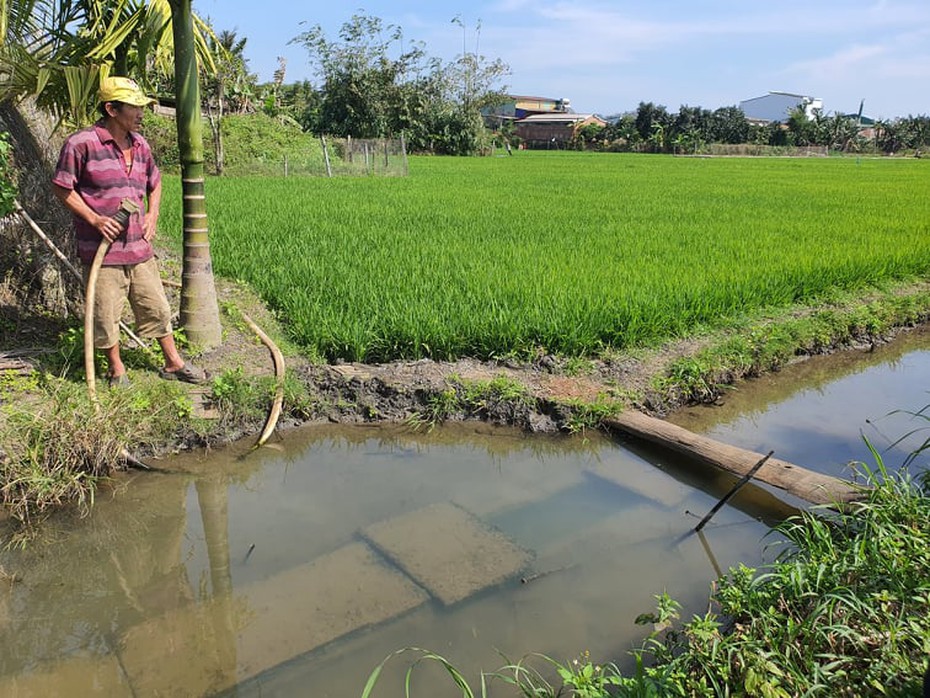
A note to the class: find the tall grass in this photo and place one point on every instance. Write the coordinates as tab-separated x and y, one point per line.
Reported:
56	446
568	252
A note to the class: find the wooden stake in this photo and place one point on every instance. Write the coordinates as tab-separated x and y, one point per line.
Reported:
736	488
329	167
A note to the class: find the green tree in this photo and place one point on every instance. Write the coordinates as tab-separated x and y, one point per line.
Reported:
199	308
360	79
365	92
801	129
621	134
729	125
652	122
838	132
300	101
226	88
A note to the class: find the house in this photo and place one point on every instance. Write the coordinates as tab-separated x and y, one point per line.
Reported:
777	107
518	107
557	129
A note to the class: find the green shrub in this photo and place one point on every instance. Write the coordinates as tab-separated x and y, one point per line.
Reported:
252	144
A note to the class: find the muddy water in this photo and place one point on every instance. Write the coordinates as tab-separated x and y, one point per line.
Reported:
295	570
818	413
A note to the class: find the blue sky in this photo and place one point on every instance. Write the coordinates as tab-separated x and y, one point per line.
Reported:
607	56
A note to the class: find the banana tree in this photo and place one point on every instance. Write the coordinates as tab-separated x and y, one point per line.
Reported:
199	309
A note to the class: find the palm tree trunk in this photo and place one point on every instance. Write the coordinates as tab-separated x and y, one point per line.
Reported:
200	316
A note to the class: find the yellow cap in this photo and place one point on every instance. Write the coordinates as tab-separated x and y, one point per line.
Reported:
123	90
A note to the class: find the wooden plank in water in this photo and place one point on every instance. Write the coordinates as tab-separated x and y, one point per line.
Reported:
448	551
800	482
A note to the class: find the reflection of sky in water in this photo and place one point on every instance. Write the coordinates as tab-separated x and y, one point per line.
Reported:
822	427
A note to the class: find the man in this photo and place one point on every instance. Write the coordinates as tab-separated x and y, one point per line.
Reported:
100	168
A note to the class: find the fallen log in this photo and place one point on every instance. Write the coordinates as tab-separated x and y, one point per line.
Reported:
810	486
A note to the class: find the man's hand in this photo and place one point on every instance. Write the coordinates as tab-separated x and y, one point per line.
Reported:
149	225
108	227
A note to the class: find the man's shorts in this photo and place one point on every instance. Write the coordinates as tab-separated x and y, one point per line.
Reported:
140	283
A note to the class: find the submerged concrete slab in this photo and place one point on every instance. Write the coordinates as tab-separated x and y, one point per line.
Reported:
75	676
209	647
448	551
314	604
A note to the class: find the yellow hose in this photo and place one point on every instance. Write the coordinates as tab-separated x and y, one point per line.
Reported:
70	267
90	296
278	402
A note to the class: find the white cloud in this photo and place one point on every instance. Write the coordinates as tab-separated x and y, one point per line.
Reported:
842	63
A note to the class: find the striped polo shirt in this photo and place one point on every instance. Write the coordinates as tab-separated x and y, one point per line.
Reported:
92	164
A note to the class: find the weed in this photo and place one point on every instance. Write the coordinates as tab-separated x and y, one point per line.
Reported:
481	396
439	407
240	398
691	378
590	415
58	447
578	366
297	400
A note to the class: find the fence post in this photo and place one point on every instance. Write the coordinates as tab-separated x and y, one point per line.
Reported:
349	148
385	154
329	169
285	164
367	161
403	151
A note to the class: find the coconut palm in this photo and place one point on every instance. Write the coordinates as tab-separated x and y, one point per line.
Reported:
199	309
57	52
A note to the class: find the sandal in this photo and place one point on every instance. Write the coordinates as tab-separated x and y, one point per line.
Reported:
120	381
188	373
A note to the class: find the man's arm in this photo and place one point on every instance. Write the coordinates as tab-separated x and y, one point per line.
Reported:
150	219
106	226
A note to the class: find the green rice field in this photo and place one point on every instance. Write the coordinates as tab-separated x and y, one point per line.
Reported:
561	252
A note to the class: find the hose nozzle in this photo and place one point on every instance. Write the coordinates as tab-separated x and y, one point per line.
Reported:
127	207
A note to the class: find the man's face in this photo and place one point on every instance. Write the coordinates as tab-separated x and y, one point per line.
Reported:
129	117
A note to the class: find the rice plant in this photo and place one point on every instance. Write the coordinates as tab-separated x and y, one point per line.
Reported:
569	253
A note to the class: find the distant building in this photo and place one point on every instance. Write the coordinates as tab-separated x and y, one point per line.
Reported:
548	130
517	107
777	107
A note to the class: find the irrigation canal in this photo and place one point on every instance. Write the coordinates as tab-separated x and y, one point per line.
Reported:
294	570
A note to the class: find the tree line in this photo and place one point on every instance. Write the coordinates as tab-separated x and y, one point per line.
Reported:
652	128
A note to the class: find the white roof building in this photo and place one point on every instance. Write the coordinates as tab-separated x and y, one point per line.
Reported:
777	106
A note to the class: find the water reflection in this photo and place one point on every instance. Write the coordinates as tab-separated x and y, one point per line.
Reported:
287	571
816	413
